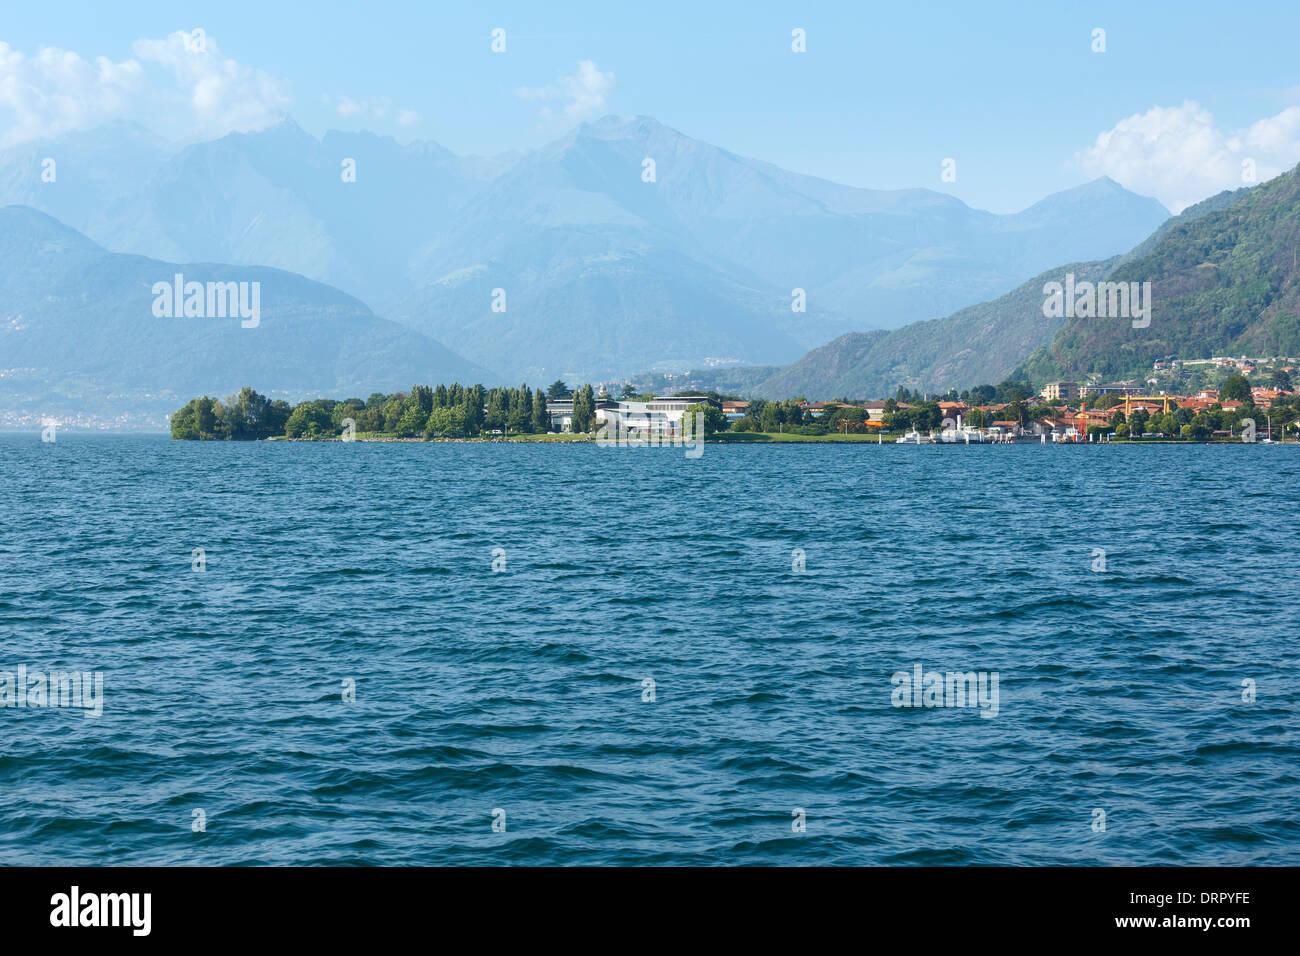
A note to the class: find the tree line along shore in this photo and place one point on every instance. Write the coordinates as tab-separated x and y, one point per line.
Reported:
474	412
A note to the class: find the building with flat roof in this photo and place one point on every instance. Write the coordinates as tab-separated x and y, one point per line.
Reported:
657	416
1111	388
560	411
1053	391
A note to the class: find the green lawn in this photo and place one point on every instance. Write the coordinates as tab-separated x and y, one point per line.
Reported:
735	437
564	436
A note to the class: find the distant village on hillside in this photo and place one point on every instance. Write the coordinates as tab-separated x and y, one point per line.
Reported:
1058	411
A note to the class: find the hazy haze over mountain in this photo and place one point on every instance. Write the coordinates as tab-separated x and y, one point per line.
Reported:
1010	335
604	273
78	334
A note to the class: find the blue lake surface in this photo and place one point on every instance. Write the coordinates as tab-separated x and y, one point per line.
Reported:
523	689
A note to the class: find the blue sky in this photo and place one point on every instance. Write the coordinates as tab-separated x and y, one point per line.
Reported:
1184	92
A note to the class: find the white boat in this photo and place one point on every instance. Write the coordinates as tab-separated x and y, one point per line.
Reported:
915	438
962	435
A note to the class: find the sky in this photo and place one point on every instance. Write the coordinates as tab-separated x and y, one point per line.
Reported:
1176	100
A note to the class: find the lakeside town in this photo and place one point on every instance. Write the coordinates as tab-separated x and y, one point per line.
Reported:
1250	400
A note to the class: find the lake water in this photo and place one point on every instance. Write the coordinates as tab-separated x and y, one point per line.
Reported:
519	696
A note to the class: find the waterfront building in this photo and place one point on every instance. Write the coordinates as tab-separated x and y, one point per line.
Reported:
1054	391
1111	388
560	411
658	416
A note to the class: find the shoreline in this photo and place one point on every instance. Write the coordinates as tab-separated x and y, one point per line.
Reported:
754	438
760	438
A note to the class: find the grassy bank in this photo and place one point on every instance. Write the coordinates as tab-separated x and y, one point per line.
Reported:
780	437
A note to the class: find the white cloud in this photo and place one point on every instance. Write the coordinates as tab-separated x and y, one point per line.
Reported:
56	91
1179	155
223	96
348	106
375	108
187	82
583	93
351	107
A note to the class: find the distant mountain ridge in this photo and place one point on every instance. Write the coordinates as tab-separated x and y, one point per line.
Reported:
574	230
79	335
603	272
1010	336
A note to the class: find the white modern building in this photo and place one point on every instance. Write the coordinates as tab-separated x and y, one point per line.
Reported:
655	416
658	416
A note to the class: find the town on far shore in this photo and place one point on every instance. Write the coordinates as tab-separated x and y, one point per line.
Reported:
1250	399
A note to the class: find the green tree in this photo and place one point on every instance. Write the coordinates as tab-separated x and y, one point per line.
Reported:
185	423
244	414
446	422
412	421
309	420
370	419
421	399
927	417
202	419
473	405
557	389
206	413
541	420
1199	428
519	413
1236	387
494	418
714	420
393	410
584	410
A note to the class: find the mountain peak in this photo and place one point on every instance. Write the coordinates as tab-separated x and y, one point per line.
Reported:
286	129
1101	189
286	123
613	126
32	224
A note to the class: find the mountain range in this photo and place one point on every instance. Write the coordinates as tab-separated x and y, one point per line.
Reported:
603	269
1223	278
80	333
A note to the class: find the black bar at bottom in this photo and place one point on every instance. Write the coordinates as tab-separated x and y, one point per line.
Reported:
333	906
